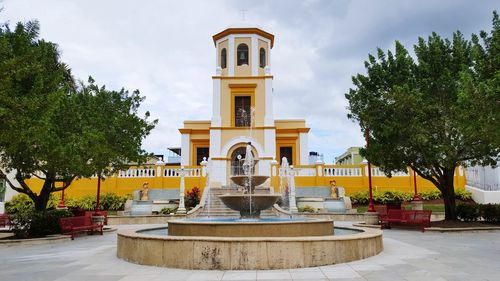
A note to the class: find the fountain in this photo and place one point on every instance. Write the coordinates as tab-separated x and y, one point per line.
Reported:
249	204
248	242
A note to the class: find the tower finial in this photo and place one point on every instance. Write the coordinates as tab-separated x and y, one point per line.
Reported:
243	14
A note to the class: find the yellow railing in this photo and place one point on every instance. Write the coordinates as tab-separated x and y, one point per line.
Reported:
353	178
126	181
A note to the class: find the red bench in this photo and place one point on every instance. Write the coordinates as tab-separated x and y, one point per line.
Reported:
78	213
381	210
416	217
78	224
4	220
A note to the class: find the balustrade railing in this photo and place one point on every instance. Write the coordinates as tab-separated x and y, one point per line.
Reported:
342	172
152	172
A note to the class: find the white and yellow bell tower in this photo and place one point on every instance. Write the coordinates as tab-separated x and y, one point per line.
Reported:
242	111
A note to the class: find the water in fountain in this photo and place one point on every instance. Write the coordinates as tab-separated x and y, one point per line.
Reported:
208	185
248	164
284	184
249	204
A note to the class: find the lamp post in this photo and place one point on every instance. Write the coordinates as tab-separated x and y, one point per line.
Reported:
98	200
370	202
61	202
415	196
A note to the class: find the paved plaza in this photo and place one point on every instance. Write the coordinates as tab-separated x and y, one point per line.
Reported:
407	255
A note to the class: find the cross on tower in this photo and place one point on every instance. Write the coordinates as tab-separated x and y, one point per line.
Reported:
243	14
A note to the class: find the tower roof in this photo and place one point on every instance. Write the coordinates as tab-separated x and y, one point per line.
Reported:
244	30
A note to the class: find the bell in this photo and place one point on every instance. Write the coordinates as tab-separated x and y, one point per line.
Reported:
242	56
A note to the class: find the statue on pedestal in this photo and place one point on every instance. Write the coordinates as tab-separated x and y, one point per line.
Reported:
144	192
334	192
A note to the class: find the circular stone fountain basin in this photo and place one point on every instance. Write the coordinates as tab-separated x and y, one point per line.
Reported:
264	227
230	253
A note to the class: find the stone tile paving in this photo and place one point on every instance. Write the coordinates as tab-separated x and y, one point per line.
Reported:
408	255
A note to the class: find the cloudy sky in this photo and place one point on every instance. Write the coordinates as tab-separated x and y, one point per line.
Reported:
165	49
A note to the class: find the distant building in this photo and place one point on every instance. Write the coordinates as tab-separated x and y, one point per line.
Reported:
350	157
174	156
484	183
315	156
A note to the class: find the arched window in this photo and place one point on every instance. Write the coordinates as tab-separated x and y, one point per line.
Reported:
262	58
242	54
223	58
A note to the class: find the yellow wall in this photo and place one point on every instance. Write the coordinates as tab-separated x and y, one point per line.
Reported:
354	184
124	186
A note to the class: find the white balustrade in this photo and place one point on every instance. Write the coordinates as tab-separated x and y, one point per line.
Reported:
137	173
377	172
341	172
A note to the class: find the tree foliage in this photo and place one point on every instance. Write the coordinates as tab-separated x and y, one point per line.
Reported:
435	112
54	128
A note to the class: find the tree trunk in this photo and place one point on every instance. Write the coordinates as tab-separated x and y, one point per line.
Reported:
42	199
448	191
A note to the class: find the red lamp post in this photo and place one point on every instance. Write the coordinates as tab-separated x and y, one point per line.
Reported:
415	196
98	200
61	202
370	202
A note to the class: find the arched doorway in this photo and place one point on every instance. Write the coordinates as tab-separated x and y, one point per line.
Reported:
237	164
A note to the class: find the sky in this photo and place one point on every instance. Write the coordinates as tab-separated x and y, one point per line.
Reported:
165	49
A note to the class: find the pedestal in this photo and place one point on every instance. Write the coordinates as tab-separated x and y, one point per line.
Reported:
417	205
371	218
98	219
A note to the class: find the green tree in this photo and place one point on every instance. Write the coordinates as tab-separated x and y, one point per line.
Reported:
55	129
434	113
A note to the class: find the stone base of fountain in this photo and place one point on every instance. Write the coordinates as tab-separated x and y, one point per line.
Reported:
274	227
245	253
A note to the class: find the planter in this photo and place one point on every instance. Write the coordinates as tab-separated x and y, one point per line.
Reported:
98	219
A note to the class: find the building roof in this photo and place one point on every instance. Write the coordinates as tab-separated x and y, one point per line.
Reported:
244	30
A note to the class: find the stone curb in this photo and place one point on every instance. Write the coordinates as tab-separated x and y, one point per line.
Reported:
36	241
441	229
45	240
462	229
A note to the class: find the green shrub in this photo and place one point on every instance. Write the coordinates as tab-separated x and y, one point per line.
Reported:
307	209
32	224
391	196
20	203
463	194
193	197
360	198
432	194
86	202
490	212
167	211
467	212
113	202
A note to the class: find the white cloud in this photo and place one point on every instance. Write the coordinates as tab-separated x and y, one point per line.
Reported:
165	49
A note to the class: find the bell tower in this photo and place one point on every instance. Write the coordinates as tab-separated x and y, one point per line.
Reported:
242	111
242	96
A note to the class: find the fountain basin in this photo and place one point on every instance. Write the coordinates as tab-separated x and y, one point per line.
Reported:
249	181
248	253
249	206
251	228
